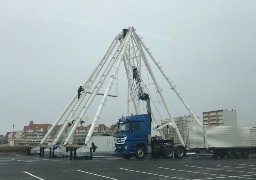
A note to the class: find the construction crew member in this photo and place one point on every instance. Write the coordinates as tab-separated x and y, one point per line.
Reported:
80	89
125	32
94	147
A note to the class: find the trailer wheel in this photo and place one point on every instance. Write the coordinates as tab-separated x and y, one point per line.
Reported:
179	152
238	154
230	154
140	152
168	152
127	156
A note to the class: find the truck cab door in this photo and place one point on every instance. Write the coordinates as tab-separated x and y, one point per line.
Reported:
138	135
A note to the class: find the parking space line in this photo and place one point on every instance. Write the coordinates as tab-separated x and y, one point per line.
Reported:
219	176
96	175
240	167
32	175
143	172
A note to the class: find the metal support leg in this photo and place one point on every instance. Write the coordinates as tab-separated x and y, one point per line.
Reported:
28	150
71	154
53	152
40	154
50	152
75	154
91	154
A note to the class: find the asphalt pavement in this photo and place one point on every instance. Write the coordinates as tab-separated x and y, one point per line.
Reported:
24	167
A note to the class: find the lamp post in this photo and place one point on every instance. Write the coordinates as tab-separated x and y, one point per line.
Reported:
12	143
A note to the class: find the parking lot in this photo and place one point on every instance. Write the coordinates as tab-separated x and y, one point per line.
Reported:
33	167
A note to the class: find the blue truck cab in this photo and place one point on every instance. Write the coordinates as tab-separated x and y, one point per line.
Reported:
132	136
133	139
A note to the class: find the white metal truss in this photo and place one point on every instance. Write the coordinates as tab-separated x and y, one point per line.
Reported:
85	86
129	48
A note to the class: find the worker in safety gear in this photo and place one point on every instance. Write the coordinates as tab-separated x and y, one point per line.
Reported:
80	89
125	32
93	147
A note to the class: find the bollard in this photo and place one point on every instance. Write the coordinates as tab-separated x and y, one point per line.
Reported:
53	152
43	152
40	154
28	151
91	154
50	152
197	152
70	158
75	154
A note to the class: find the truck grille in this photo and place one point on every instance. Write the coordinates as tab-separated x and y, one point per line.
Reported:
120	140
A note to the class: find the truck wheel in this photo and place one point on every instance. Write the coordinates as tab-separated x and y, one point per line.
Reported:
127	156
168	152
140	152
179	152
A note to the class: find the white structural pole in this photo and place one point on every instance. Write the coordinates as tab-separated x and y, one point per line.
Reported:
136	105
88	137
96	70
96	89
56	122
126	66
159	130
89	101
90	80
128	99
159	91
162	98
173	87
104	60
55	141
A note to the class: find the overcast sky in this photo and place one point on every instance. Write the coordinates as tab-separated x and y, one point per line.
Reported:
48	48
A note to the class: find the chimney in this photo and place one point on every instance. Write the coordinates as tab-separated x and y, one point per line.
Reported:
30	123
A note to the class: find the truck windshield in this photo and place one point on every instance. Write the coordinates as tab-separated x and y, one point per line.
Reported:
123	127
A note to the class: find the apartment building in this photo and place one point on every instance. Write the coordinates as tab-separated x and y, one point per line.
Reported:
183	124
223	117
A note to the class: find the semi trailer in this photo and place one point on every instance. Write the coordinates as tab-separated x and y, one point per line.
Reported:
223	141
133	139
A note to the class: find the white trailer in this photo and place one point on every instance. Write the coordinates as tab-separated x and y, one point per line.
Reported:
223	141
